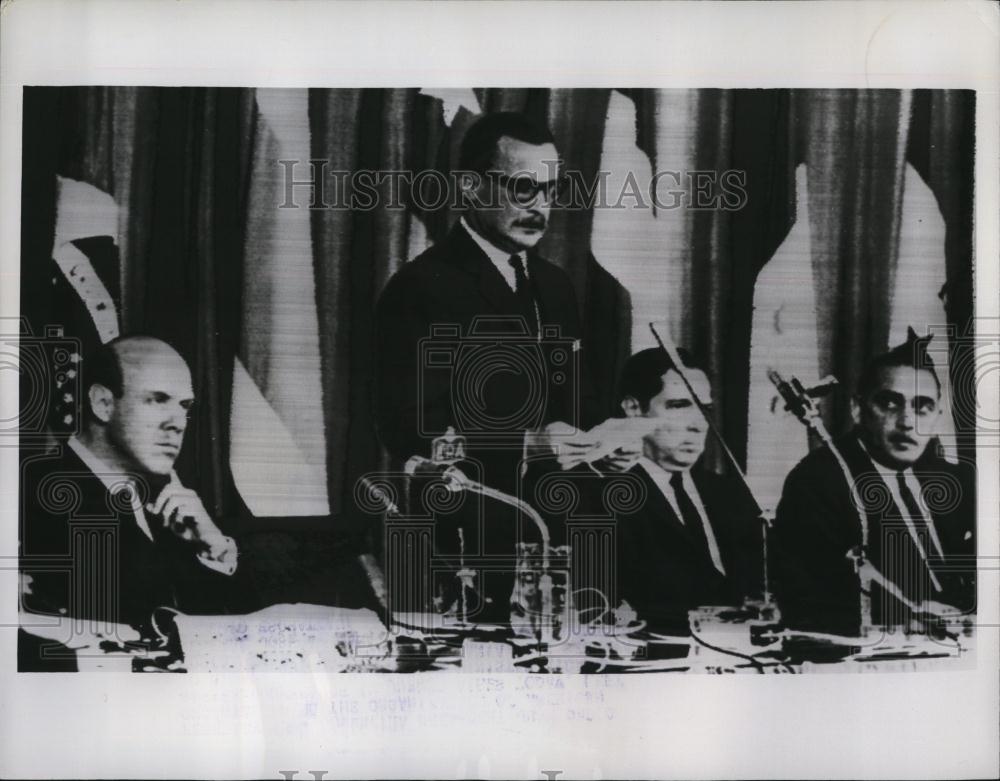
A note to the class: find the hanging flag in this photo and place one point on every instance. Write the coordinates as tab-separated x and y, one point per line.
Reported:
646	249
453	100
784	338
85	212
278	441
920	276
85	294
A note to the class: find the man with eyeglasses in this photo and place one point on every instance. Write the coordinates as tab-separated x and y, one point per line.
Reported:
920	511
486	267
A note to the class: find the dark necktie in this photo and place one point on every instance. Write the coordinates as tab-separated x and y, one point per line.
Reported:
693	520
525	296
919	550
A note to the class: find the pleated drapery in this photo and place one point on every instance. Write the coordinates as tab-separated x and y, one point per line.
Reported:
180	164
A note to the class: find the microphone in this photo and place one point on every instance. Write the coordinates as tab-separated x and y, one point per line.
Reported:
797	400
822	388
423	466
454	477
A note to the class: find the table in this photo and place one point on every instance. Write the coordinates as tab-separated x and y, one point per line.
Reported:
316	638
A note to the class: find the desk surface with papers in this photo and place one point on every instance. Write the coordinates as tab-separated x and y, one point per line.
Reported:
315	638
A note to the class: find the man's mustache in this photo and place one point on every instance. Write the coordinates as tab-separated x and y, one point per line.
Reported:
537	223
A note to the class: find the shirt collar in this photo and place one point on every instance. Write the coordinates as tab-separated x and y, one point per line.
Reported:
882	469
495	254
111	479
658	473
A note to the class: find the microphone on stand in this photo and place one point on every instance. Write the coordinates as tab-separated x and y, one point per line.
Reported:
454	478
799	401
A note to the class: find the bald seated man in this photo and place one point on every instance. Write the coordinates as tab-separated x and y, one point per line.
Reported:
107	528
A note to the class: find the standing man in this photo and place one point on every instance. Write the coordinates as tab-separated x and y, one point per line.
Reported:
107	528
919	508
486	266
500	383
695	539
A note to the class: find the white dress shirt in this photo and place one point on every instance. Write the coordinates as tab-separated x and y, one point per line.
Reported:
910	479
222	555
498	257
661	478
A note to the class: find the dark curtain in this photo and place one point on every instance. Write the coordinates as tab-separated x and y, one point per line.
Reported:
178	162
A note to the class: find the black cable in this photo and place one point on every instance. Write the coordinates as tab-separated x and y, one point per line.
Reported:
757	665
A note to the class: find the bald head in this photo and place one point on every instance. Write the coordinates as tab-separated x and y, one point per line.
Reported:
138	350
139	393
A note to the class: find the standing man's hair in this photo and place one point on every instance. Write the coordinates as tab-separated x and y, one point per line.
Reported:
479	145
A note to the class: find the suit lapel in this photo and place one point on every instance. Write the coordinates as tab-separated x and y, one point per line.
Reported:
665	523
100	504
543	290
723	512
470	258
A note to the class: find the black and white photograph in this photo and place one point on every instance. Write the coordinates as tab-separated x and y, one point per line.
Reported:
565	380
531	383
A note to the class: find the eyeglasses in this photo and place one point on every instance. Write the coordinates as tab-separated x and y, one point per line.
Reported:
522	189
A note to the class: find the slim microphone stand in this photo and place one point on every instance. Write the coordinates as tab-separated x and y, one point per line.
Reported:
766	518
799	403
457	480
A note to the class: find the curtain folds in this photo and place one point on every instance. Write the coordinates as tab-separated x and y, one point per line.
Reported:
178	161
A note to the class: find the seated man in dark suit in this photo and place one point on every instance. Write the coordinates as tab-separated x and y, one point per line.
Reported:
694	541
919	509
107	529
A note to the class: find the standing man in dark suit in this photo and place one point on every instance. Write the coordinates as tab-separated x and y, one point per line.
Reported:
694	540
487	266
480	333
920	510
107	528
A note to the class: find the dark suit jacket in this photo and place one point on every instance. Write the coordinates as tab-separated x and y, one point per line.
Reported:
627	543
817	524
85	552
419	395
663	572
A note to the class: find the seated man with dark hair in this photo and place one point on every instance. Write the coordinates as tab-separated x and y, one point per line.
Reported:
107	529
694	540
919	510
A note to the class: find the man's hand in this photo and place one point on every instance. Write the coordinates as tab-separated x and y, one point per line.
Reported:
621	460
616	443
183	512
569	445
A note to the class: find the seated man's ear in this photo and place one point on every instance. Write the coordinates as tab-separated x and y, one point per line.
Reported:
631	407
102	401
